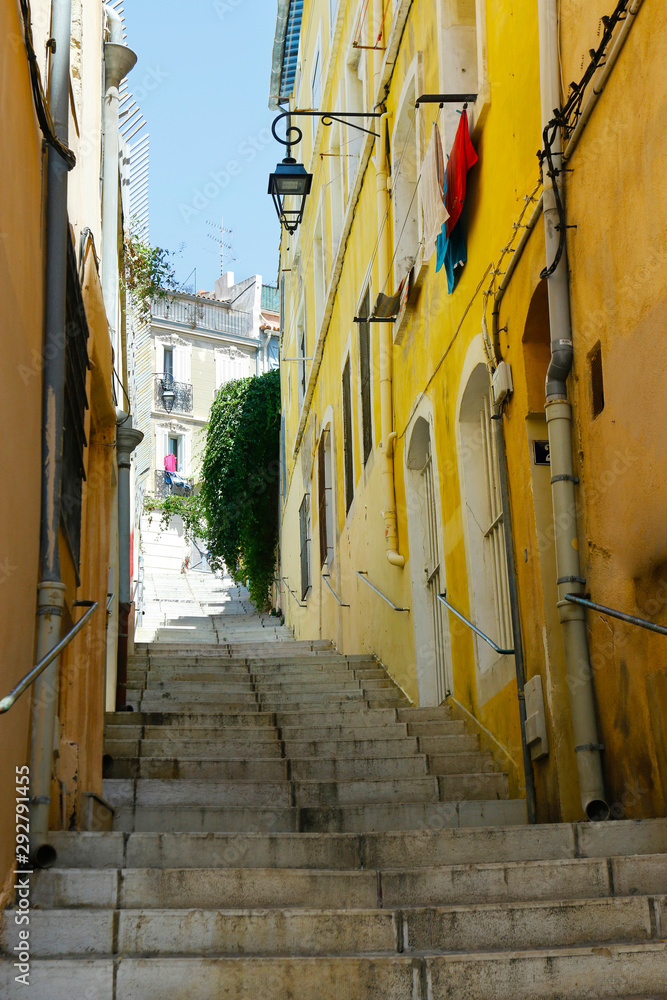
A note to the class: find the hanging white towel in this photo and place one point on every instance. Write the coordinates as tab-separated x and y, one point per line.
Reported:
432	189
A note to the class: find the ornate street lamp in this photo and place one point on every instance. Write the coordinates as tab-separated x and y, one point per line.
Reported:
290	179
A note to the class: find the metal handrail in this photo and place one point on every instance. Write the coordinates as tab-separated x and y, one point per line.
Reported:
631	619
502	652
285	581
40	667
325	577
363	574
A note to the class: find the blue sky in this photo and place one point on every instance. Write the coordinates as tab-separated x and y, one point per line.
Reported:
202	81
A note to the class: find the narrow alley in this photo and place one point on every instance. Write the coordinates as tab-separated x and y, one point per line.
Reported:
287	825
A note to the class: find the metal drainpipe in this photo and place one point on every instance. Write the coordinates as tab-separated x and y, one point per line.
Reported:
51	590
386	363
559	424
118	61
127	439
531	799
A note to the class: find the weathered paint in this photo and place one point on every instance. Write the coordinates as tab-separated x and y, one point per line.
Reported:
617	284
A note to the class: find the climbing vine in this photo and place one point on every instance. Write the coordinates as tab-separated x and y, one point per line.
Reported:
240	480
148	272
191	509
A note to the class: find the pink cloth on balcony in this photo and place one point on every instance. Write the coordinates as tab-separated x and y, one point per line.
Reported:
170	462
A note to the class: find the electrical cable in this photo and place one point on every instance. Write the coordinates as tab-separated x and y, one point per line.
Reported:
566	118
41	105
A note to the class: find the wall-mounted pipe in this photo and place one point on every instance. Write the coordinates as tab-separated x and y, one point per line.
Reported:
51	590
559	424
386	360
118	61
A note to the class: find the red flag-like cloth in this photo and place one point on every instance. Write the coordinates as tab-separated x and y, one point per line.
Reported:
461	159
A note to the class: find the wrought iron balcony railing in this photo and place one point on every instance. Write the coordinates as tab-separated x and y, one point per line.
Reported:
172	396
164	487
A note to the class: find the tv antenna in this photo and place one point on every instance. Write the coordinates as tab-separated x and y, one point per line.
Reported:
224	249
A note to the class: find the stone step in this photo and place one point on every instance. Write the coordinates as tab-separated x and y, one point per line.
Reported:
210	768
562	974
212	688
433	745
301	932
198	794
363	818
447	885
342	748
326	684
304	793
413	849
229	749
166	700
459	763
397	730
197	718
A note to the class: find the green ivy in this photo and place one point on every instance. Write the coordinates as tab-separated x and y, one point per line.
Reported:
148	272
241	480
191	509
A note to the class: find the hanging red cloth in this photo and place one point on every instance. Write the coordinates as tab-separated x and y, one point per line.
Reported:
461	159
170	462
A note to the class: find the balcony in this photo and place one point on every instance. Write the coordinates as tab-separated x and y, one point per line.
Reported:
202	314
165	488
171	396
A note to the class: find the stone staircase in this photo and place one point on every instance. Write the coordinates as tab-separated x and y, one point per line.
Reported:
287	827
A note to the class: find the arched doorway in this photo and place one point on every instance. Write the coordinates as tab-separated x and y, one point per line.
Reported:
427	563
484	528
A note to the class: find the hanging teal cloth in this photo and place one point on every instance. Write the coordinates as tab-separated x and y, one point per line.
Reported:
451	252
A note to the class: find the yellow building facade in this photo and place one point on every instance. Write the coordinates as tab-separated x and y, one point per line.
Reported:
417	458
87	538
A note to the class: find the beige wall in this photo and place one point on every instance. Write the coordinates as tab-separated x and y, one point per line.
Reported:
21	258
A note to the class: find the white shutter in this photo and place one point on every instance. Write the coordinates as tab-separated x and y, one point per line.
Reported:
161	447
159	357
185	453
181	366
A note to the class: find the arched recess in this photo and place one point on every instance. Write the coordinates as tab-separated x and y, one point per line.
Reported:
427	566
488	585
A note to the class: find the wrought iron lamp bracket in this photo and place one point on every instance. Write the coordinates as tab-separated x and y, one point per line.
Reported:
328	118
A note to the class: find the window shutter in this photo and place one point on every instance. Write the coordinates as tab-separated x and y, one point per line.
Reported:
347	437
159	357
365	365
304	540
322	500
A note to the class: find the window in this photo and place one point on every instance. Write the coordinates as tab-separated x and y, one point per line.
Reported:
301	344
486	532
365	377
347	437
304	539
76	404
597	382
337	160
404	183
168	363
458	52
324	497
320	264
316	87
174	447
354	87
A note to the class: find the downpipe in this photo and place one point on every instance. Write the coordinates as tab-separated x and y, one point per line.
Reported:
388	433
563	481
127	439
118	61
51	590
